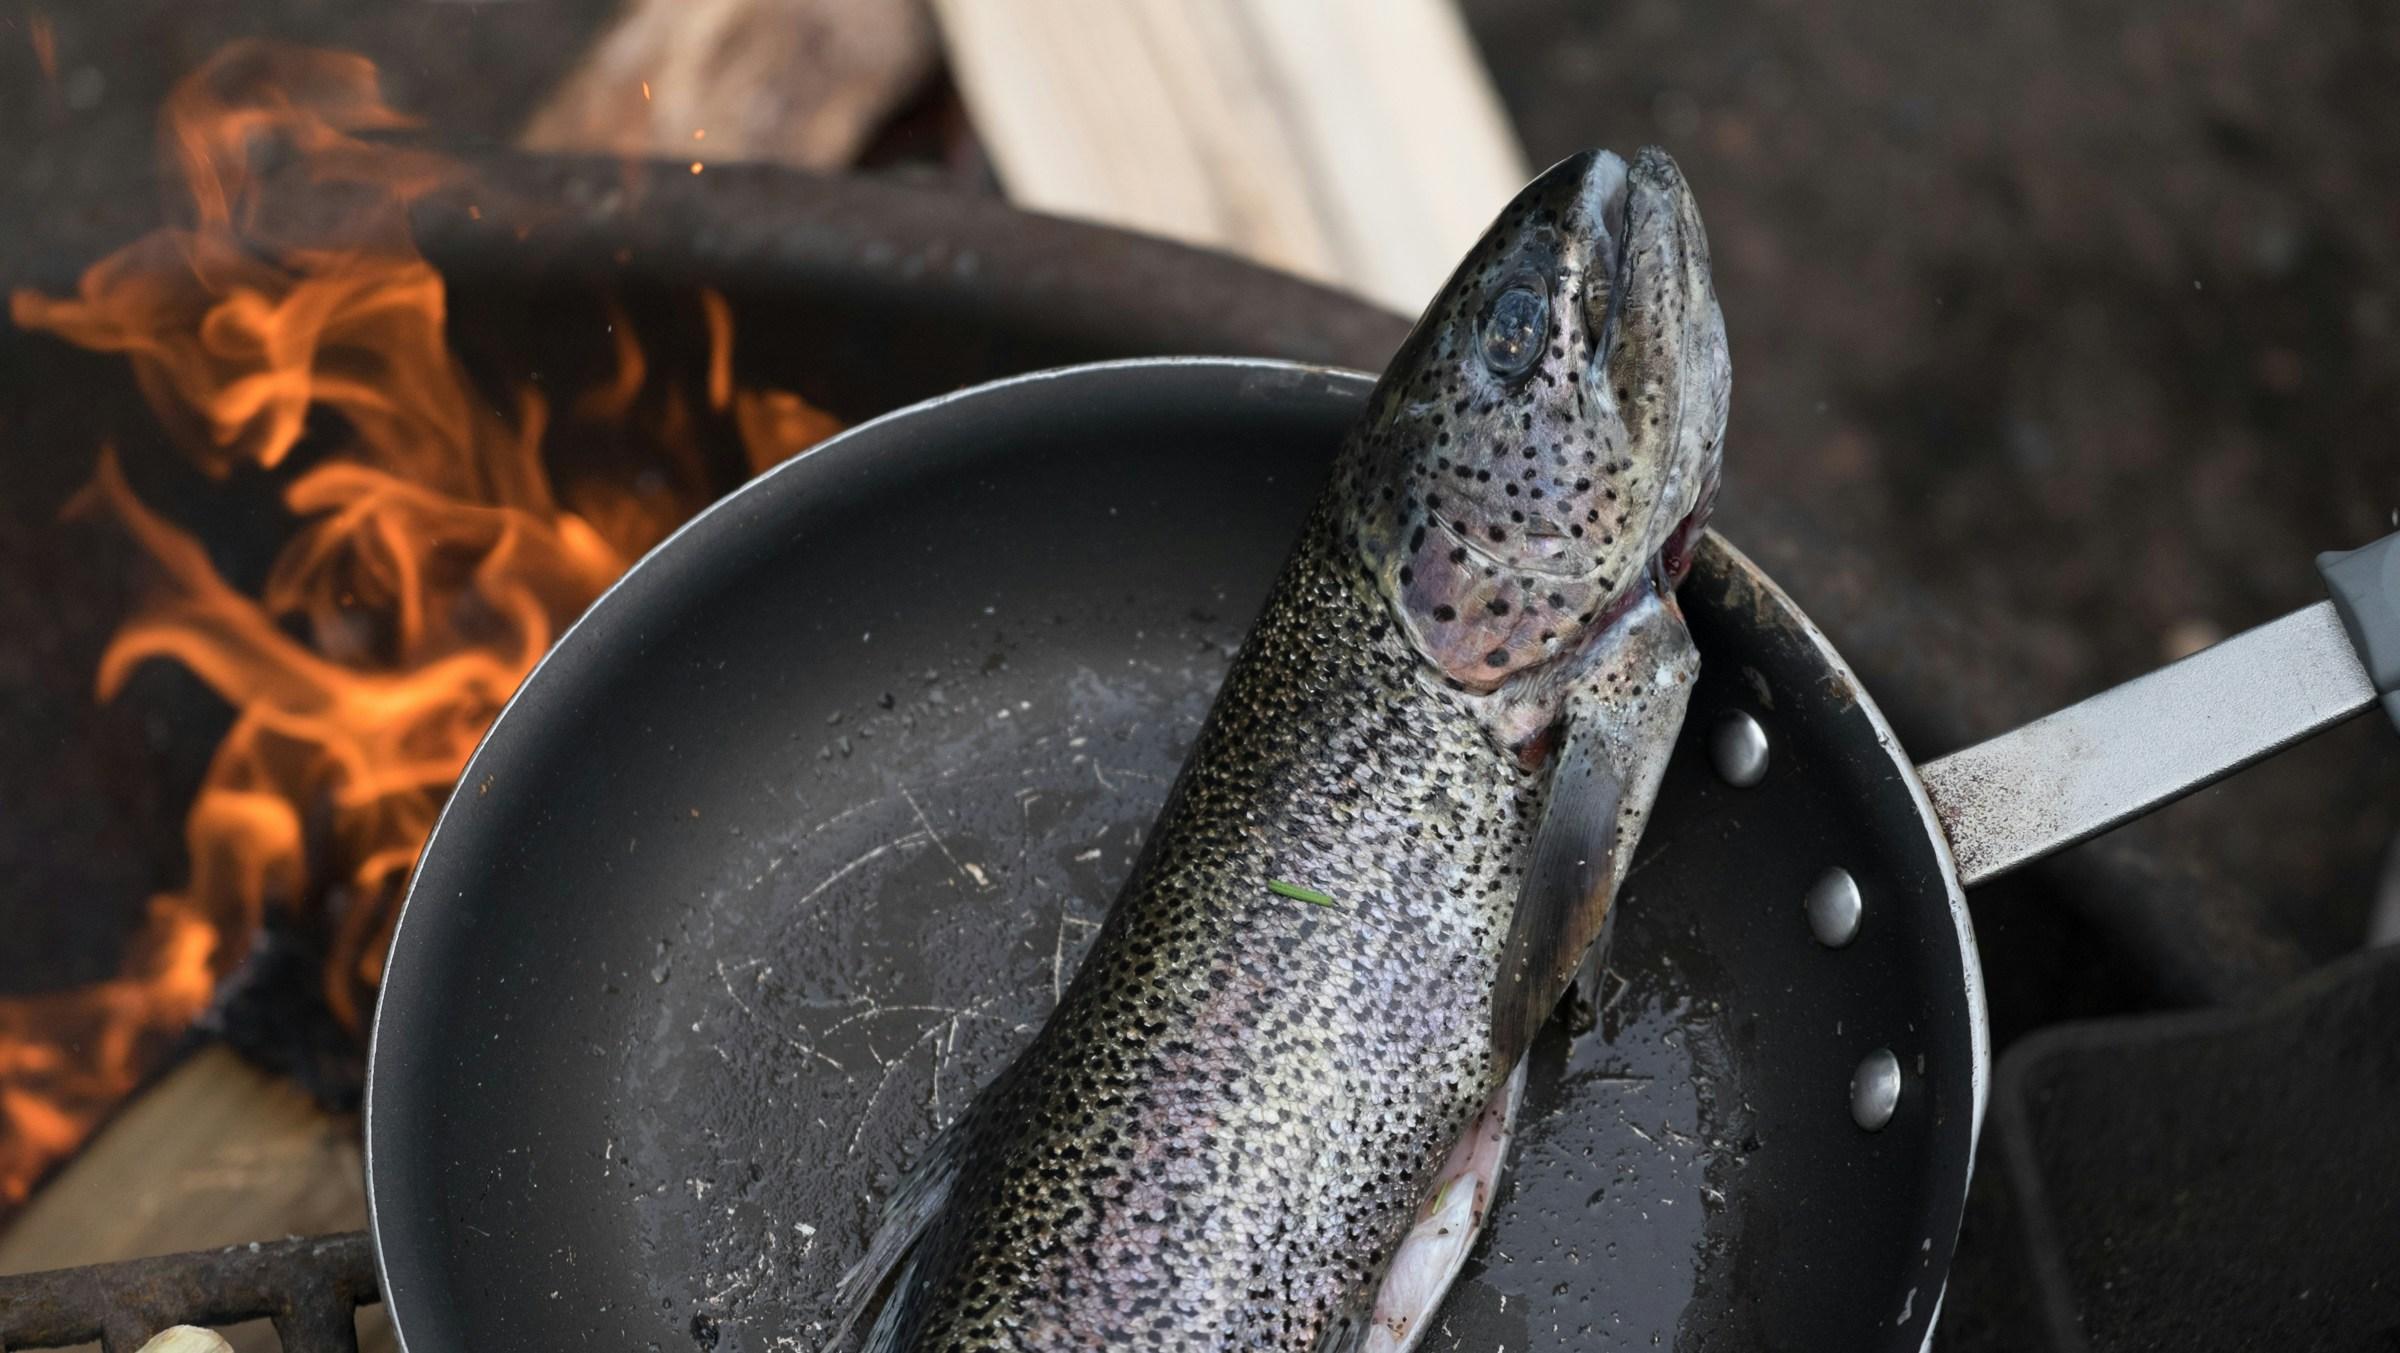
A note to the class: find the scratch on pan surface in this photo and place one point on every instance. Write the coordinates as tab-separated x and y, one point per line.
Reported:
971	876
925	1038
745	1007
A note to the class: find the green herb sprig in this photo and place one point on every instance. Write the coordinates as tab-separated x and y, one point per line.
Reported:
1300	894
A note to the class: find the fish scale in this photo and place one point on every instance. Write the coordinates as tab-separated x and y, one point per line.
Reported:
1394	839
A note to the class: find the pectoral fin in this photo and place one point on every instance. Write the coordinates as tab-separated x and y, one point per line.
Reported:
1617	731
1569	884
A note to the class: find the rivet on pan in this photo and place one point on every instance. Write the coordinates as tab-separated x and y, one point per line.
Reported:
1875	1090
1740	748
1834	908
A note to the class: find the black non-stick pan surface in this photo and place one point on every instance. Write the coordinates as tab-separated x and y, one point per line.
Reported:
792	840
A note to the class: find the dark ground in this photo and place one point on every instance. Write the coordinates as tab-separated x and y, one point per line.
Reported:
2077	326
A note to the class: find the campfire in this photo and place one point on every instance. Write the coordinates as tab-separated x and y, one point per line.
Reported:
441	535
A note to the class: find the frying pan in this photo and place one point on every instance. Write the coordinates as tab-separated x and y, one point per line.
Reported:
792	839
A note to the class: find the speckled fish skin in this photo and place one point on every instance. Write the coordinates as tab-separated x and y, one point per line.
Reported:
1220	1133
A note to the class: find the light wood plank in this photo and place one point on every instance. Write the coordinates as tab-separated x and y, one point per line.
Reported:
1357	142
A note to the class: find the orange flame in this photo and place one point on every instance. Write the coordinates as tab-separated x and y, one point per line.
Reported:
434	561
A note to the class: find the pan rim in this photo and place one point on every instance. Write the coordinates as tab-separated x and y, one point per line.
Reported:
1979	1033
380	1209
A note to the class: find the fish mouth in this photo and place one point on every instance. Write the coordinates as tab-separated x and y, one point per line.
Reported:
1608	204
1609	281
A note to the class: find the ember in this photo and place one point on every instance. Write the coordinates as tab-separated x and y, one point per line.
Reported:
436	552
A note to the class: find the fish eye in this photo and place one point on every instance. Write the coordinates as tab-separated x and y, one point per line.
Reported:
1514	327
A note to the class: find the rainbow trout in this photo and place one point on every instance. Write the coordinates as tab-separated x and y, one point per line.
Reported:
1269	1111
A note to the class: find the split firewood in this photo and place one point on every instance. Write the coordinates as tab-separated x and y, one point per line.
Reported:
1357	142
215	1152
796	82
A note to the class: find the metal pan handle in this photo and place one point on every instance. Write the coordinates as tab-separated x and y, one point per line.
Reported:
2096	764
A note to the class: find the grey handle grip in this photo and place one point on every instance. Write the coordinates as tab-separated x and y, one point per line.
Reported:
2366	593
2105	760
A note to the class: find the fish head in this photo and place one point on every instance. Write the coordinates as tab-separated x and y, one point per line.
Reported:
1544	449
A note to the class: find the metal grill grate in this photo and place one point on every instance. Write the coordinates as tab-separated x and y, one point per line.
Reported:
310	1288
